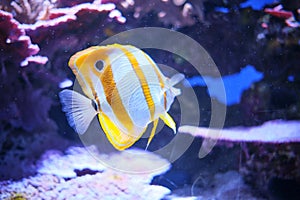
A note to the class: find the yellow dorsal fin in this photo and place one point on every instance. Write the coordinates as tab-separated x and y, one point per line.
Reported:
119	139
152	132
80	56
168	120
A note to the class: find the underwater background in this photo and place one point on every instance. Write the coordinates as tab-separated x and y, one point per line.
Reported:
256	48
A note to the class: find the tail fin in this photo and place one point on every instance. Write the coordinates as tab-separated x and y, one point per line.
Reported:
173	81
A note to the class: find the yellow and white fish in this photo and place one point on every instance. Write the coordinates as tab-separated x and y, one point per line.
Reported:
128	89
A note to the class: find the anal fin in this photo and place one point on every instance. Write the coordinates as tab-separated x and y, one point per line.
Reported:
118	138
152	132
168	120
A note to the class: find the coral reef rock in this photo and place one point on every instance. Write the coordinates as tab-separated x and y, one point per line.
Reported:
81	173
265	164
270	155
229	185
15	44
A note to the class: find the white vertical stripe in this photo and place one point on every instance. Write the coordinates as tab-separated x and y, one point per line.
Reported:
152	79
129	88
97	86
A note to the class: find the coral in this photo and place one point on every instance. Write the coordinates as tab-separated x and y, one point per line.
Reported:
20	151
64	21
64	30
17	45
30	11
17	50
17	107
269	151
278	131
280	13
229	185
90	179
266	41
278	33
65	165
21	116
29	93
262	163
176	13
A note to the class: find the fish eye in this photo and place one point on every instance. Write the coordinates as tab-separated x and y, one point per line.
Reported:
99	65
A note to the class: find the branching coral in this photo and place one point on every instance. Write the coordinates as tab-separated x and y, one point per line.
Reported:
65	31
62	21
29	11
15	44
17	50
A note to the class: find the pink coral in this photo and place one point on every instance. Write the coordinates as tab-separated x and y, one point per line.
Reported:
64	20
60	33
278	12
15	38
15	44
288	16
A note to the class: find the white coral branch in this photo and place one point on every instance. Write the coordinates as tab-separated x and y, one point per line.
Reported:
277	131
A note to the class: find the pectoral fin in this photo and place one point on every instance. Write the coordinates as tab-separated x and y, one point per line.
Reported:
168	120
118	138
78	108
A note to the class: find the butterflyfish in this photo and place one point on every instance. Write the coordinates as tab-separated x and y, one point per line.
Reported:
124	88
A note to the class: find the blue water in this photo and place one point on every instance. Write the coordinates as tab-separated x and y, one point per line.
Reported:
257	4
234	84
222	9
